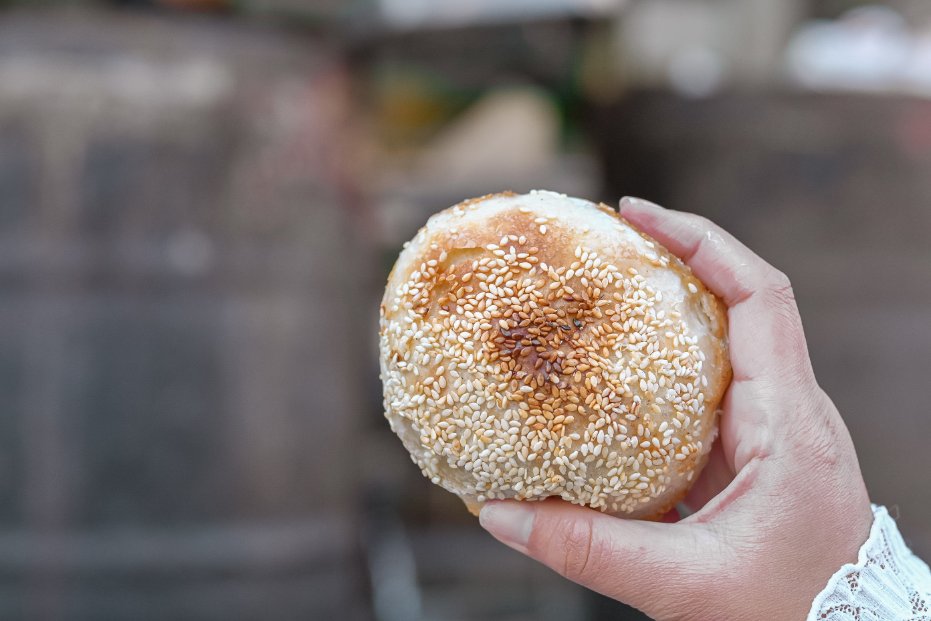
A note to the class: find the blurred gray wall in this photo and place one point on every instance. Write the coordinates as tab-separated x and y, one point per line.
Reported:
178	306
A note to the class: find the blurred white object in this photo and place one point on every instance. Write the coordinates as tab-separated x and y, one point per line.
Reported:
696	71
917	72
869	49
696	48
411	14
663	41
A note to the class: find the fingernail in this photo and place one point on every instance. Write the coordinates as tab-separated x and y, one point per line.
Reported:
511	522
639	204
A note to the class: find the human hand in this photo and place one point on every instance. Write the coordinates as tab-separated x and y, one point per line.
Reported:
780	506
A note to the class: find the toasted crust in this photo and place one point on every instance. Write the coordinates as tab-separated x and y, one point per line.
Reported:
537	345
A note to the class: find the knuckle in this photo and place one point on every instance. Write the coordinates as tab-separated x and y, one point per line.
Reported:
821	436
814	441
578	549
823	451
785	316
785	323
779	287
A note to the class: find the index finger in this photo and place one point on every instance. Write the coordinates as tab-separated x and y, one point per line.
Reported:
765	330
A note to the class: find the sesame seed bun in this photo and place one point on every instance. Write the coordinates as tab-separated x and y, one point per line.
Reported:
537	345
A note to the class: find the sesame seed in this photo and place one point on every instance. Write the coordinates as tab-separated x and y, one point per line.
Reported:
506	371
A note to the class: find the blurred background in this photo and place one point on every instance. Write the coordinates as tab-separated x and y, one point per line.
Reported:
200	201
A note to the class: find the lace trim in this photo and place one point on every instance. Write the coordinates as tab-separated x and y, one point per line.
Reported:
887	582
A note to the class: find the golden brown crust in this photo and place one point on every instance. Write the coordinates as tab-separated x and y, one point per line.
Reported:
537	345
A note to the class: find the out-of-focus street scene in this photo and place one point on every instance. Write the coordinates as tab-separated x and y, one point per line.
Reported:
200	202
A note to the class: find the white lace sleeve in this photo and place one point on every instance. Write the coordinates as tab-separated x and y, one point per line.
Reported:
888	582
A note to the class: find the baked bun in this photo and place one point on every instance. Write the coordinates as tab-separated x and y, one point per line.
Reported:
537	345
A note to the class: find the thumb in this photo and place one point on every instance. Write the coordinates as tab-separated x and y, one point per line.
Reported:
662	569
